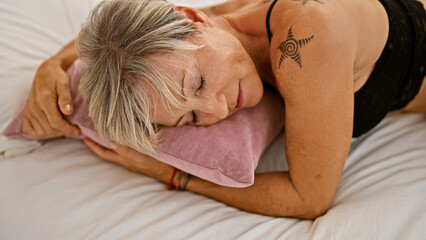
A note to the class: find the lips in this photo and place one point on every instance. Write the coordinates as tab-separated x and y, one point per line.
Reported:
240	98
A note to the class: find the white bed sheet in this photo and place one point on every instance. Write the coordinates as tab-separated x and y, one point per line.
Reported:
63	191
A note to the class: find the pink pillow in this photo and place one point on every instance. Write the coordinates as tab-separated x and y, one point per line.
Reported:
226	153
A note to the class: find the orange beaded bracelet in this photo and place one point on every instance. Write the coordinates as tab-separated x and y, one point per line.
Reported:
170	185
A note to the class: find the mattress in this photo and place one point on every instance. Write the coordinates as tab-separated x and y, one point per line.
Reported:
59	189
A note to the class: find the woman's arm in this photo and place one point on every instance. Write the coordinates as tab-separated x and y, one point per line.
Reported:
50	96
313	55
271	194
67	55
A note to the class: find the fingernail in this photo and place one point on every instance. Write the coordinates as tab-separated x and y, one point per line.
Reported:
113	146
68	107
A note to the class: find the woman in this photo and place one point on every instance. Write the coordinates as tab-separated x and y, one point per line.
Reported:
338	73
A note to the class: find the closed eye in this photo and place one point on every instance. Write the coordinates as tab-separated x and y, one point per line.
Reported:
200	90
202	85
194	118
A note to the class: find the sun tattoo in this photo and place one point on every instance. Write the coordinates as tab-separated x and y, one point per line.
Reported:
290	48
305	1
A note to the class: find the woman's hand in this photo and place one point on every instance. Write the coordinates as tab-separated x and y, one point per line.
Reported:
50	95
133	160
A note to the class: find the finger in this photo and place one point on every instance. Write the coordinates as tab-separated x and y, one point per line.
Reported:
37	127
44	123
133	159
56	120
101	151
27	128
49	131
55	134
64	95
108	155
41	130
121	150
30	112
130	153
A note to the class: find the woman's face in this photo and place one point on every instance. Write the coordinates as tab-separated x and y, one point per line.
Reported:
217	80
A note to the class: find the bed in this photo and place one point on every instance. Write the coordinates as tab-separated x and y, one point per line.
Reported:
58	189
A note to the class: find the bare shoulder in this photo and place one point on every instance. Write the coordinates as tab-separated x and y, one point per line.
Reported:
332	30
311	43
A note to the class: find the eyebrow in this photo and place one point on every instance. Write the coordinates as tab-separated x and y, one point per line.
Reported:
184	99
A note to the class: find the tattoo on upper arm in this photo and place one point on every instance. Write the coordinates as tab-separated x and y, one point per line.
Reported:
305	1
290	48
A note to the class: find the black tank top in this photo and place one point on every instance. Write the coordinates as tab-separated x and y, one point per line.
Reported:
398	74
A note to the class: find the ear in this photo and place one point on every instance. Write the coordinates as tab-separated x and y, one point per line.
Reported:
194	14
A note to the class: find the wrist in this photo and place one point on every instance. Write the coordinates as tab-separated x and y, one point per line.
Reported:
161	172
66	57
60	61
50	65
54	61
166	173
179	180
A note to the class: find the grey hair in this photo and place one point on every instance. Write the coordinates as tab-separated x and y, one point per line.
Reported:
117	43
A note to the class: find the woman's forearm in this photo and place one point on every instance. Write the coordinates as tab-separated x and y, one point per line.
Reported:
66	56
271	194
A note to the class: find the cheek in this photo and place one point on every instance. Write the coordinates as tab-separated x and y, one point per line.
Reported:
161	118
254	91
254	84
164	117
224	73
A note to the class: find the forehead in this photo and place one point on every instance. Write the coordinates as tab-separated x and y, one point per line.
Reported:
173	65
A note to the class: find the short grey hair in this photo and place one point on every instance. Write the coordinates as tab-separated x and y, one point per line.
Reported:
117	43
